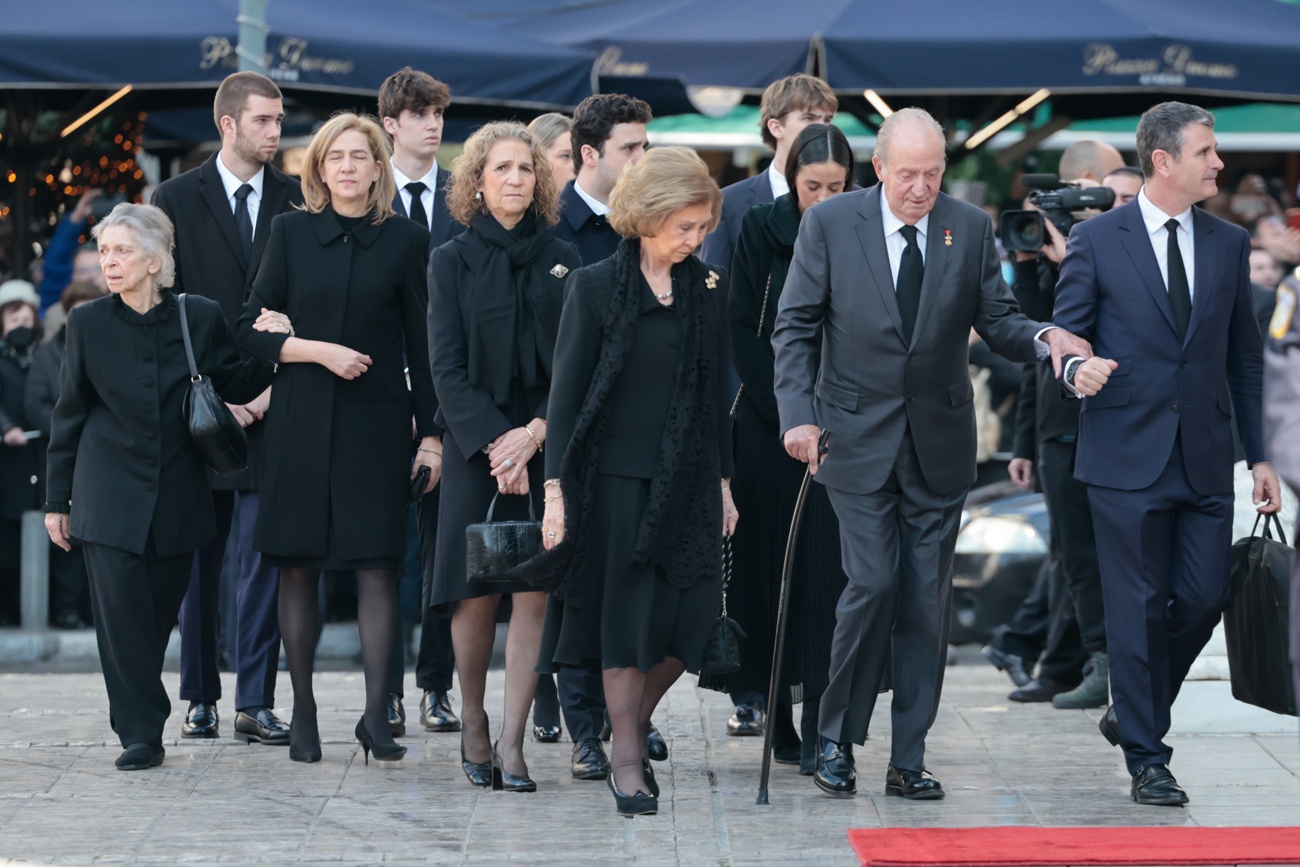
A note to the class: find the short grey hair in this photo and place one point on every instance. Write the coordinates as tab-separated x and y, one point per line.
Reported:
1161	129
905	117
153	231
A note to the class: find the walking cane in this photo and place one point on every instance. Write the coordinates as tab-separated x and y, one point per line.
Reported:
778	650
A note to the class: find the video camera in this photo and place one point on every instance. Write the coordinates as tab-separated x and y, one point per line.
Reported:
1055	200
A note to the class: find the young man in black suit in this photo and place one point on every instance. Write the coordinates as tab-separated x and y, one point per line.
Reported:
222	211
789	105
411	107
609	134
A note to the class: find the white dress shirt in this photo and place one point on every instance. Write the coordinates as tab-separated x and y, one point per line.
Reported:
780	186
232	185
895	243
430	181
1155	220
598	208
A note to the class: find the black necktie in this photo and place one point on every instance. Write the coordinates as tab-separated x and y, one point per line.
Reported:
911	268
1180	294
416	189
244	220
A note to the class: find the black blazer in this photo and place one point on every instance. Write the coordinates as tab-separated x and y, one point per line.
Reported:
458	340
209	261
737	198
120	457
594	237
442	227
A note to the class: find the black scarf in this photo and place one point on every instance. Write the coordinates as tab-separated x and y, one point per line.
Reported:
505	296
680	527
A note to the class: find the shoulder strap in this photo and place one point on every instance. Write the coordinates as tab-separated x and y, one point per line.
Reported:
185	335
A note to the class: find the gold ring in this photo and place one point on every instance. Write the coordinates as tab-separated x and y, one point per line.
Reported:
501	488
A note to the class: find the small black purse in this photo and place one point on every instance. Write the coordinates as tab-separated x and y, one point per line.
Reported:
214	428
722	650
494	548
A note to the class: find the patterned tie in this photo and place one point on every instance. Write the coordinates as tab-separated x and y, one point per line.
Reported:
244	221
416	189
911	268
1180	294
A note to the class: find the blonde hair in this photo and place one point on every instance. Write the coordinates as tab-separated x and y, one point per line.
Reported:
666	180
548	127
463	200
152	230
316	195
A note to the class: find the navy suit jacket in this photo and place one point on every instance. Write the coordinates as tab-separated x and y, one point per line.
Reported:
594	237
1111	293
737	198
442	228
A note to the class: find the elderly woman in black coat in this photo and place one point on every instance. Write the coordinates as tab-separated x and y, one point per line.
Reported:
638	488
338	443
20	332
495	293
125	477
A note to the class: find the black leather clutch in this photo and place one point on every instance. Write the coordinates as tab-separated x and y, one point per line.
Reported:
416	493
213	427
494	548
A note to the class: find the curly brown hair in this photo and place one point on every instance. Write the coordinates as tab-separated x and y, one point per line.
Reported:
467	173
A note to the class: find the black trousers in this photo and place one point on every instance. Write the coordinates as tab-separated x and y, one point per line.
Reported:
1076	541
135	599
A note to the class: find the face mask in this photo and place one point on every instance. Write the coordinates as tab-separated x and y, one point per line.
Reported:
20	337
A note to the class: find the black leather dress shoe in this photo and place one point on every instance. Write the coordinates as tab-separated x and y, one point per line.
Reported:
589	760
835	773
396	715
747	720
200	721
912	785
1109	726
140	757
1041	689
1154	785
260	724
656	746
436	714
547	734
1015	666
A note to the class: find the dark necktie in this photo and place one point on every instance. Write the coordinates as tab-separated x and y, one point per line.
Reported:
416	189
244	220
911	268
1180	293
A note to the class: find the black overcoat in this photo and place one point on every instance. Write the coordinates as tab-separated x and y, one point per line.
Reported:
338	452
120	453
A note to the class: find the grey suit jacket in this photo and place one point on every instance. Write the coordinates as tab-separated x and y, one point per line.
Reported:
842	362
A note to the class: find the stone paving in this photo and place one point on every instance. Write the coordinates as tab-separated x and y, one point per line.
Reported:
62	802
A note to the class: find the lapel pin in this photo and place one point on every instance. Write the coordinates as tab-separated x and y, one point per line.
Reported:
559	271
947	237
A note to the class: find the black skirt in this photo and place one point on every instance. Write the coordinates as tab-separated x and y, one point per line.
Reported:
627	620
765	487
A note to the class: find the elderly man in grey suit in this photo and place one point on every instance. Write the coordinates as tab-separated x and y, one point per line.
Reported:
871	345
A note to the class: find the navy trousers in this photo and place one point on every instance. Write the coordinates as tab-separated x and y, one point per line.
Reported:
1164	554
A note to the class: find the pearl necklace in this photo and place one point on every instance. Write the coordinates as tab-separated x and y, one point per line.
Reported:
664	297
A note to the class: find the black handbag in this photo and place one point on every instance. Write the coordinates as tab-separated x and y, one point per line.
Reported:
722	650
494	548
1257	623
214	428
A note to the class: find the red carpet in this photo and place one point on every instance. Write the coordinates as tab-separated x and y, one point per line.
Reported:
1026	846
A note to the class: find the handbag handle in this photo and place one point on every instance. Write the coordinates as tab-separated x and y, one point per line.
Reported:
532	515
1266	517
726	572
185	335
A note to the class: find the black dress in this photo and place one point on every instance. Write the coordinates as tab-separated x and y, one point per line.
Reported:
338	452
630	619
767	482
465	327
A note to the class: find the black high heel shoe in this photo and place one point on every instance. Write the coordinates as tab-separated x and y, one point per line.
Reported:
368	746
478	773
639	804
301	747
649	774
503	782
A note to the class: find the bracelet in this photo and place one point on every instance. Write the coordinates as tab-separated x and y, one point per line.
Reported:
555	482
423	449
534	438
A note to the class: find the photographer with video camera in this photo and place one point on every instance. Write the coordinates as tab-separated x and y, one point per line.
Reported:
1063	616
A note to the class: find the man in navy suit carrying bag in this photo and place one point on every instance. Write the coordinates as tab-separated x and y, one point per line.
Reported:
1162	291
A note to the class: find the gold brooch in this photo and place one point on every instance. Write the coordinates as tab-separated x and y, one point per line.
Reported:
559	271
712	280
947	237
